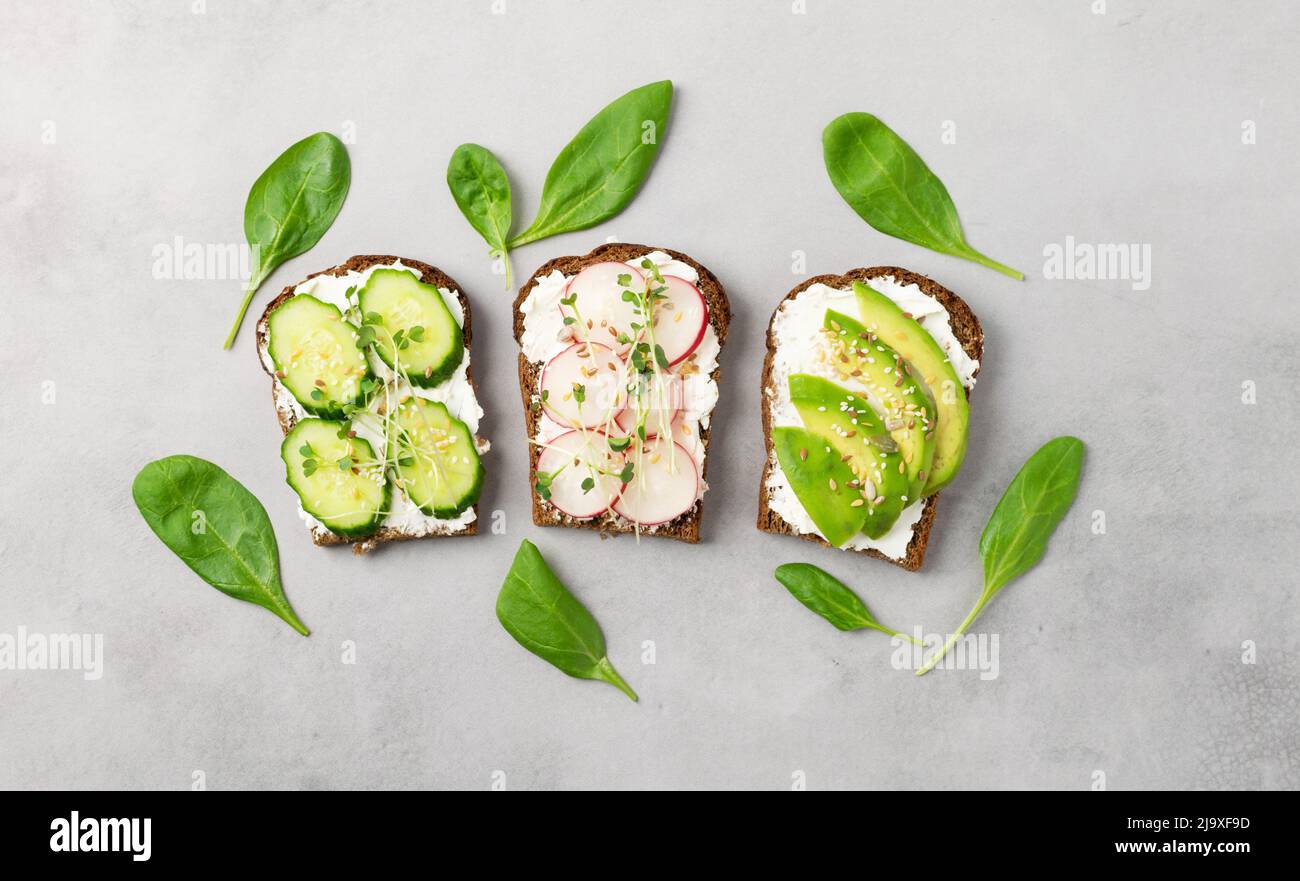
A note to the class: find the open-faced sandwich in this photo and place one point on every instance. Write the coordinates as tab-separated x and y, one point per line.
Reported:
865	410
370	367
618	369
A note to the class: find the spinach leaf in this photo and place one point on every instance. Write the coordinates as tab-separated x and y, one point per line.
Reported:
481	189
603	167
1025	518
891	188
217	527
291	205
537	610
829	597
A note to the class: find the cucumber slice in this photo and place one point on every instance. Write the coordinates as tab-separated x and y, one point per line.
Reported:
316	356
397	303
351	500
437	464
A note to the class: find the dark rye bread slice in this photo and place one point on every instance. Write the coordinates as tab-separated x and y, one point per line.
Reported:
965	326
685	527
429	275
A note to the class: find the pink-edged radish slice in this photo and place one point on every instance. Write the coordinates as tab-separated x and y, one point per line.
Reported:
685	432
580	456
599	303
598	371
680	319
665	484
655	422
660	396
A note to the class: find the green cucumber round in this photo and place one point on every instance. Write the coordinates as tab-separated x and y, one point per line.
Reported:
436	463
338	479
316	356
397	303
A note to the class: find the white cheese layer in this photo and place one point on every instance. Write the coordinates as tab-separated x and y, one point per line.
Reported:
543	339
456	393
796	329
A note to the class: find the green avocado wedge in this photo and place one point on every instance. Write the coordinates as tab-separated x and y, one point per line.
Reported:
907	412
846	420
820	480
930	363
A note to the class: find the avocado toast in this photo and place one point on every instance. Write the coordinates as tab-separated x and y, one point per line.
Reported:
370	368
865	390
618	407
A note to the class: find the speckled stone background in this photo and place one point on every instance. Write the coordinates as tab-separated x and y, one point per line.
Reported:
126	125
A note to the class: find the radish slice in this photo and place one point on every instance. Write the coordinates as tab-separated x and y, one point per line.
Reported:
685	433
598	370
680	320
655	423
600	303
580	456
660	395
665	484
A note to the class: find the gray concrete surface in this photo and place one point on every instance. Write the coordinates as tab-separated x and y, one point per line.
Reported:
125	125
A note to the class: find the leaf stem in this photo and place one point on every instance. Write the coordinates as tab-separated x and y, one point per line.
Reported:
979	258
900	635
292	620
610	675
526	237
253	284
952	640
504	253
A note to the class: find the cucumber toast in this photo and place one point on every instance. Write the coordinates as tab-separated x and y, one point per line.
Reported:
370	368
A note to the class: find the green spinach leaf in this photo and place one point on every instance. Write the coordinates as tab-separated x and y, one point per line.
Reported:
217	527
481	189
291	205
1025	518
831	598
603	167
537	610
891	188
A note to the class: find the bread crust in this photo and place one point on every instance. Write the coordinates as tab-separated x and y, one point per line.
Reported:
965	327
429	275
685	527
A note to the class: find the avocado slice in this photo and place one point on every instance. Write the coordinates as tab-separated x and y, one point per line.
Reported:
854	430
930	363
908	414
820	480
